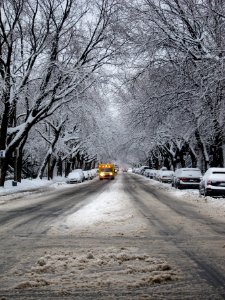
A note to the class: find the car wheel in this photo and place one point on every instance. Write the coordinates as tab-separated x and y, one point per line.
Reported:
178	187
205	193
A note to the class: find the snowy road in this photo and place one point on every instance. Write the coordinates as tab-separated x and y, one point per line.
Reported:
121	239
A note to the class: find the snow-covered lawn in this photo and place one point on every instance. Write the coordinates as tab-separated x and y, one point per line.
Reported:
29	184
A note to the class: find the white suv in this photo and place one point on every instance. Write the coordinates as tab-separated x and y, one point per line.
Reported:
213	182
76	175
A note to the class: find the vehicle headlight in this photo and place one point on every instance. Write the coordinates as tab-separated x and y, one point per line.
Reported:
102	174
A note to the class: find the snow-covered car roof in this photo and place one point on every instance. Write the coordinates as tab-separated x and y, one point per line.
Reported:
189	169
75	173
167	172
212	170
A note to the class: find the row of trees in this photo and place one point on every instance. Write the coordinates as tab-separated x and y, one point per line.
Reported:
52	54
57	108
175	97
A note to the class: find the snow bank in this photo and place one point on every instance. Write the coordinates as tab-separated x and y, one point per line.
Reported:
213	206
28	184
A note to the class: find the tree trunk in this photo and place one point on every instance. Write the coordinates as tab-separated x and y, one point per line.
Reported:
223	147
44	164
193	158
4	162
67	168
19	160
59	167
202	153
217	154
51	169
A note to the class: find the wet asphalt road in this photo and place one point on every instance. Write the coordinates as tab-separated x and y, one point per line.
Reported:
178	232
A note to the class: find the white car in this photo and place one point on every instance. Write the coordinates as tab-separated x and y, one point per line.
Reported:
142	169
166	176
213	182
147	172
76	175
159	173
87	175
187	178
94	172
152	173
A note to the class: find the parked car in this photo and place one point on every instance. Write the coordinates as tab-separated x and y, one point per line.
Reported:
187	178
159	173
213	182
166	176
136	170
152	173
155	174
116	169
94	173
76	175
147	172
142	169
87	174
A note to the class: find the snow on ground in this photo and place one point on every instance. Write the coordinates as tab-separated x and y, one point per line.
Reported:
213	206
113	206
94	268
109	213
28	186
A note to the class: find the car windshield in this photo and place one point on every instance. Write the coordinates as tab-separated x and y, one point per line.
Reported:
167	173
106	170
191	173
74	174
219	173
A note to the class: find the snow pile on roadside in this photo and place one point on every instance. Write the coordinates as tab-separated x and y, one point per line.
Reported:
96	268
217	203
110	213
29	184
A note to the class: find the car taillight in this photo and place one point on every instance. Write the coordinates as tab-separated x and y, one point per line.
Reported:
184	179
209	182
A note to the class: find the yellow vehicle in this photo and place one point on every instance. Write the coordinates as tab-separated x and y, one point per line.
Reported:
106	171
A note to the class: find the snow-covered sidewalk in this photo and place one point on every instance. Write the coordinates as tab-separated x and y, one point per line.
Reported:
29	184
